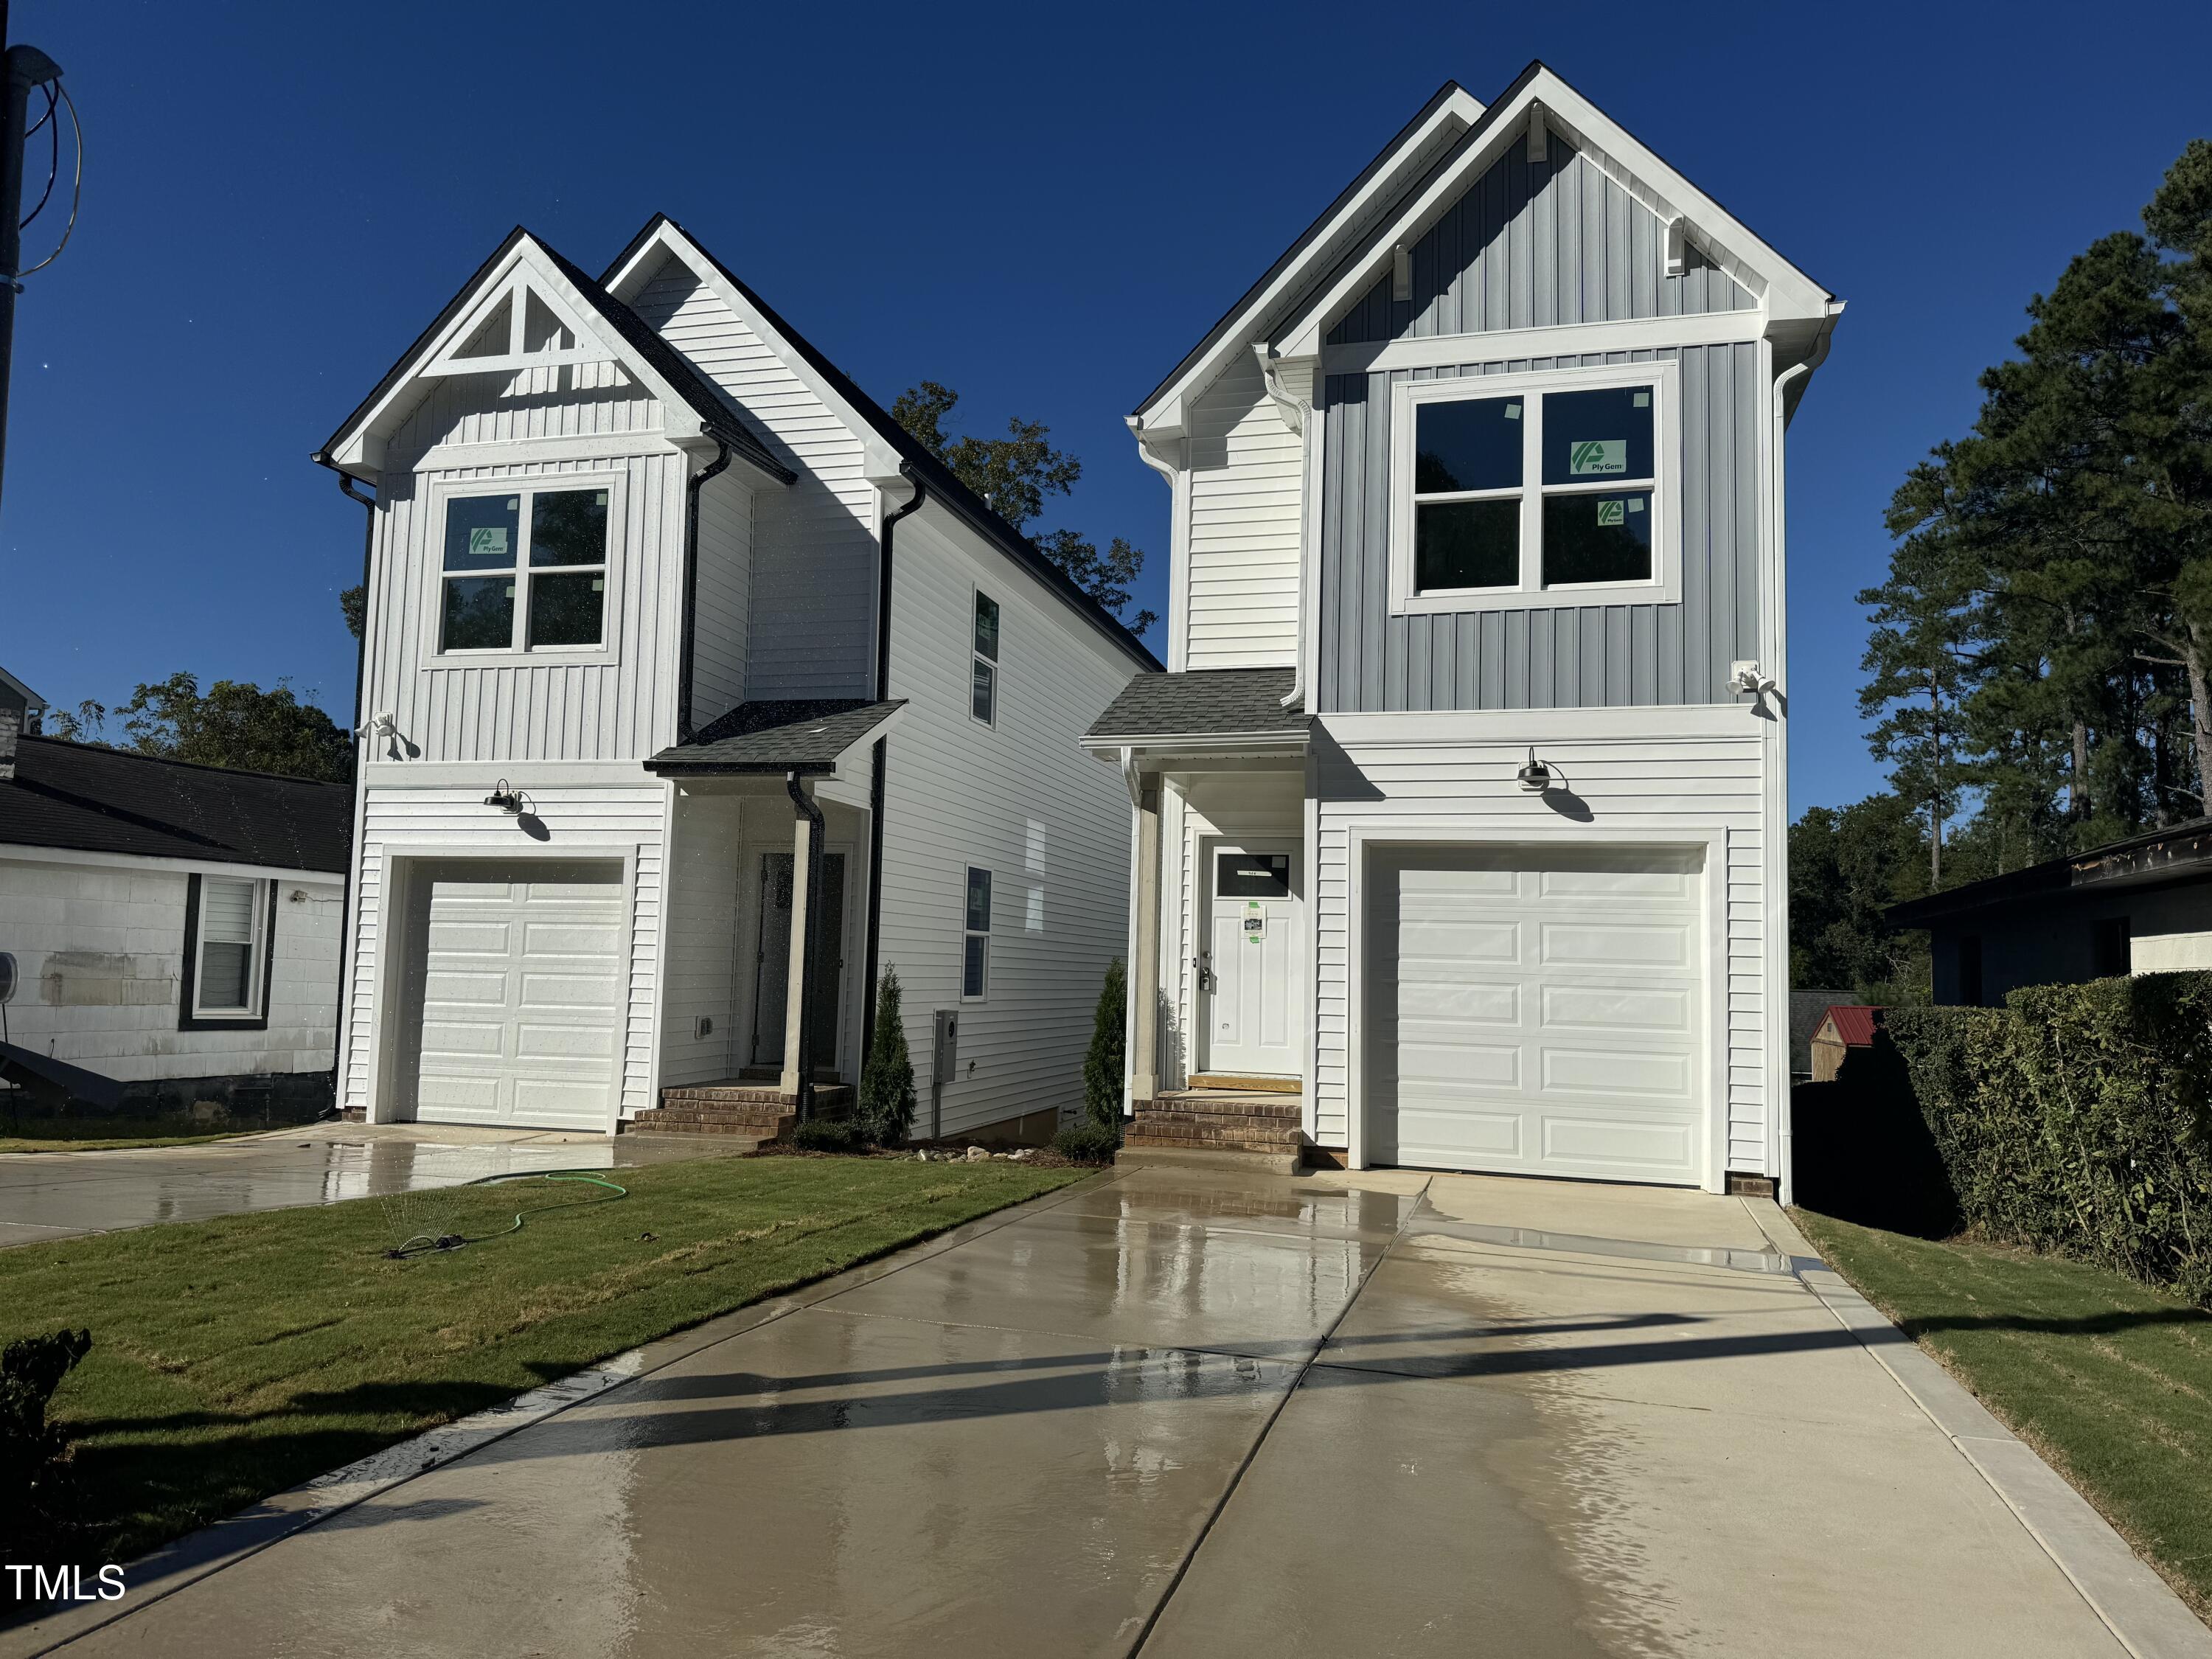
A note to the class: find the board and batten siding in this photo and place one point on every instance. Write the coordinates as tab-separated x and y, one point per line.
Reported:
1246	471
1021	799
1645	788
704	879
578	821
722	637
543	708
812	628
1561	657
576	400
100	949
1538	245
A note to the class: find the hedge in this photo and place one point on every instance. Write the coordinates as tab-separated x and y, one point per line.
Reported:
2077	1119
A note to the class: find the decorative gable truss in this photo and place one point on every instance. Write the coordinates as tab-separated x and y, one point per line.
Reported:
531	348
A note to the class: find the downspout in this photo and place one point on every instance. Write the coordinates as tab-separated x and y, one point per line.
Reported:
1778	881
353	854
804	804
685	729
881	762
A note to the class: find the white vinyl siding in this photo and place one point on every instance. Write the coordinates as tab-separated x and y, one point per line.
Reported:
1640	789
580	821
721	643
1245	472
814	543
1021	799
575	400
708	877
101	947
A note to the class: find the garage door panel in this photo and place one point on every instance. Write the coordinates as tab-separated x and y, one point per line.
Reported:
523	983
1540	1011
1622	1071
1616	1008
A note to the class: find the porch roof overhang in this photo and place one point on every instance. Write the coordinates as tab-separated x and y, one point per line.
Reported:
809	736
1202	714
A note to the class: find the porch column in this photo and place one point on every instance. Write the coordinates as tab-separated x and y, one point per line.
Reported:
796	982
1145	971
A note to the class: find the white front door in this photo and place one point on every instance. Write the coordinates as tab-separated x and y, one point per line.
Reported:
1248	968
1538	1011
520	982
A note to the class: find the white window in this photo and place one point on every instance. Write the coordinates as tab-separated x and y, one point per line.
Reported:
983	703
975	940
524	569
226	948
1535	489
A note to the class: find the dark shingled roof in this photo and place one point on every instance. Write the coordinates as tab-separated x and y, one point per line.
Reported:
804	735
2178	852
1210	703
91	799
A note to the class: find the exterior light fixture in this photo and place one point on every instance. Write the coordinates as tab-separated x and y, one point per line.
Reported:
506	799
1535	777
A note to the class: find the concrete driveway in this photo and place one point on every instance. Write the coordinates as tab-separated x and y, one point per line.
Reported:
47	1195
1195	1416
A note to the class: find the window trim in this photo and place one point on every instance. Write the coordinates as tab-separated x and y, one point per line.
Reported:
995	664
990	891
262	959
442	494
1664	586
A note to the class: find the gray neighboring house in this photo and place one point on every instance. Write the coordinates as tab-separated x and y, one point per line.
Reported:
2138	906
173	929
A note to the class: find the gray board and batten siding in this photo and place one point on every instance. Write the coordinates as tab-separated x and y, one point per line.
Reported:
1537	244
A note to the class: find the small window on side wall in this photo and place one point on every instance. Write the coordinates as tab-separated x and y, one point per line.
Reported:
228	955
975	938
983	694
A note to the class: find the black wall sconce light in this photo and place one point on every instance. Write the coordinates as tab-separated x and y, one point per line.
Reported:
506	799
1535	777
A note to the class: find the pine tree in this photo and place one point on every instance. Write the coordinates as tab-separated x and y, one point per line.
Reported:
1104	1067
886	1106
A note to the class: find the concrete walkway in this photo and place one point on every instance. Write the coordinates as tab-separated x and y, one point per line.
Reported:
45	1195
1190	1416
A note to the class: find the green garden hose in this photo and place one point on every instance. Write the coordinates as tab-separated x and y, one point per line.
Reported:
453	1241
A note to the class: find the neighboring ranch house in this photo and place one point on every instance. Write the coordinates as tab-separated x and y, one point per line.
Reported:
173	929
1459	816
686	667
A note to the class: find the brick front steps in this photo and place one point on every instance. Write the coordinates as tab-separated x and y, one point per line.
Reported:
1198	1128
760	1111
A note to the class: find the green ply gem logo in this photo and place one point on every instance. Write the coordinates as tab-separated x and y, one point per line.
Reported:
1597	458
1613	512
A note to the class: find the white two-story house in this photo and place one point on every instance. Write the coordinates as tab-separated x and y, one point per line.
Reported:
1459	817
691	678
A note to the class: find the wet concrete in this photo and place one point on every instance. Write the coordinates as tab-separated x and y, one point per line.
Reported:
1186	1416
47	1195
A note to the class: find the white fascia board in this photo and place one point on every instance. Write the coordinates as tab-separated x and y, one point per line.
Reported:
30	697
1784	291
878	459
1738	722
1163	413
147	864
361	450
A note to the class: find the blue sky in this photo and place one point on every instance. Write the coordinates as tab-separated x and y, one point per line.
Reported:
1042	207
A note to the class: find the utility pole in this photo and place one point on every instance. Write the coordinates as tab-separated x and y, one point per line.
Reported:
26	67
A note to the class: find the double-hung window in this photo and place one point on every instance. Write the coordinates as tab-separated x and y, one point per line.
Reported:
975	938
524	570
226	951
983	694
1534	490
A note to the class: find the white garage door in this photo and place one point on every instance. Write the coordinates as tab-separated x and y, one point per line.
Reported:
1538	1012
521	994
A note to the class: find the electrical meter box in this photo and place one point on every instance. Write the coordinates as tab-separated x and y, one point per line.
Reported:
948	1045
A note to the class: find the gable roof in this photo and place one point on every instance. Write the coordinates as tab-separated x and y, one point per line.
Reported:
30	698
87	798
1854	1023
1322	277
897	449
676	378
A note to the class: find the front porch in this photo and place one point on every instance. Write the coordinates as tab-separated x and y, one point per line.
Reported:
1260	1129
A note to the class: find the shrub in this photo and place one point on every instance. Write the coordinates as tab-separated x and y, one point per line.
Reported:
1088	1143
2078	1120
34	1471
825	1134
886	1110
1106	1064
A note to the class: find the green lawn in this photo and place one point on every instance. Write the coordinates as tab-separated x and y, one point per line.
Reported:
100	1134
2111	1381
236	1357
